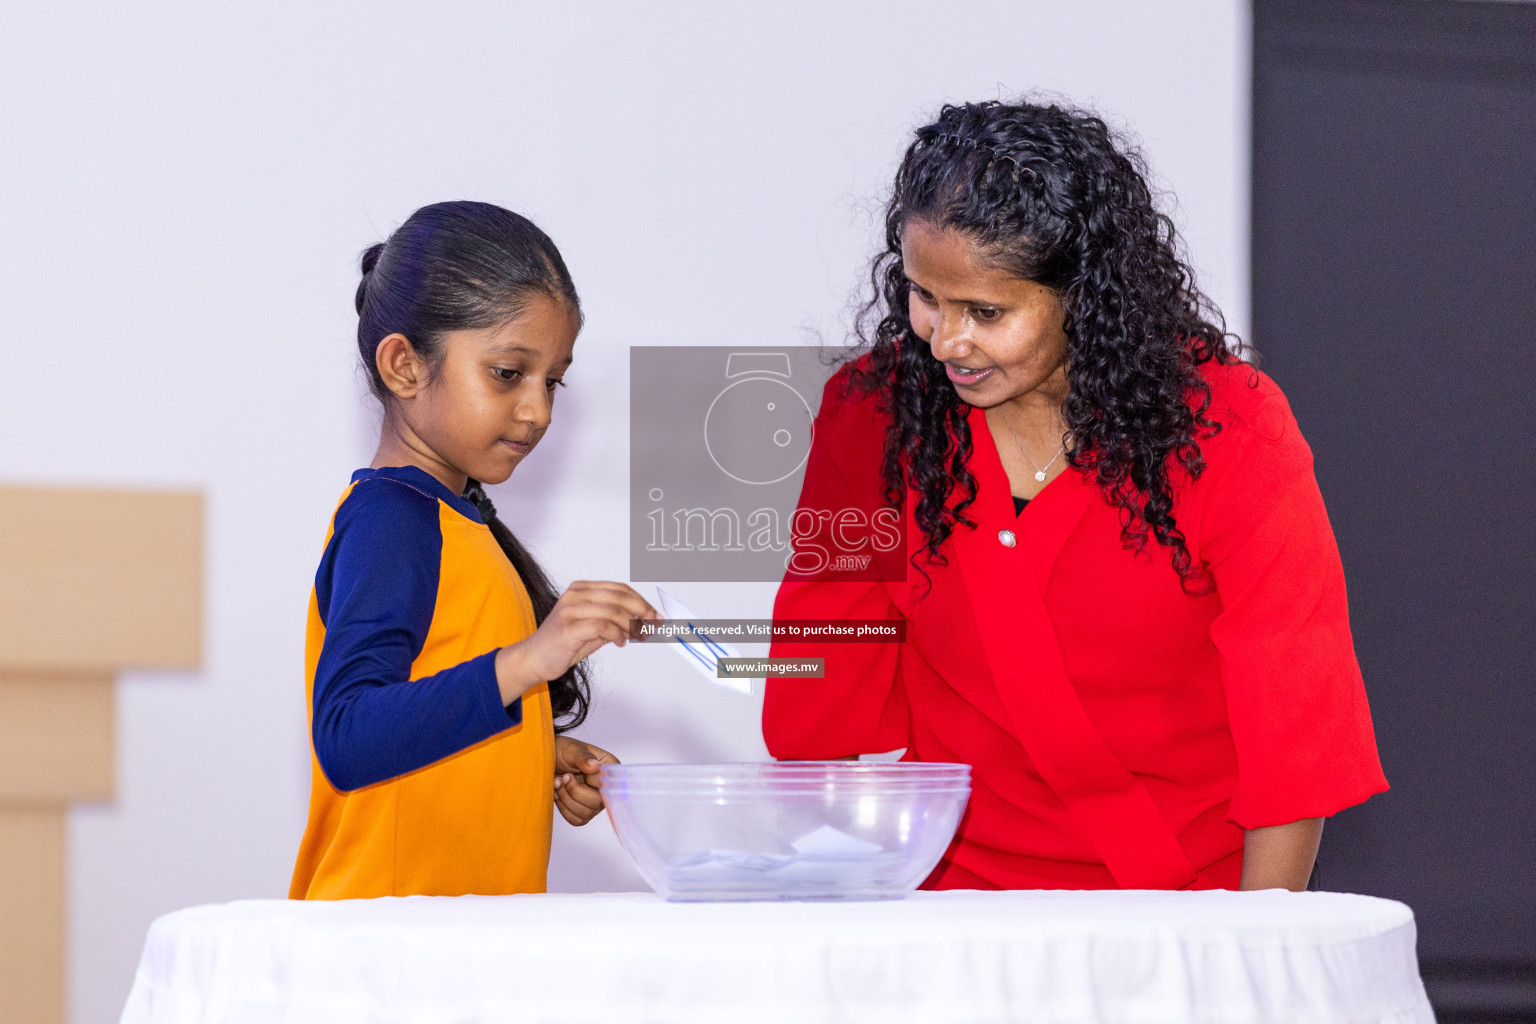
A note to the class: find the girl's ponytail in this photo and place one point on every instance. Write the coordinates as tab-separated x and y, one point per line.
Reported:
571	694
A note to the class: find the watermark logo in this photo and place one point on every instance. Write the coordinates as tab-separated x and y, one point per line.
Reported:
720	440
758	429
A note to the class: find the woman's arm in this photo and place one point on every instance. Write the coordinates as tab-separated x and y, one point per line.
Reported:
1281	856
859	705
1296	704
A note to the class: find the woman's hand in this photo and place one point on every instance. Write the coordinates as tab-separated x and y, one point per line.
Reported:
578	786
588	615
1281	856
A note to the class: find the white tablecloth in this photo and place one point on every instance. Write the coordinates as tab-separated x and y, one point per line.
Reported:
944	958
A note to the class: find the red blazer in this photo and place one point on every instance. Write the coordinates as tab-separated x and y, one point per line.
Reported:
1122	732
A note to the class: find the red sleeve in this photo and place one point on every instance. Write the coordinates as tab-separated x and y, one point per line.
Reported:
859	707
1295	698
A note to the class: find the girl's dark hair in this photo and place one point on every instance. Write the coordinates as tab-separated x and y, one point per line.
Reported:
1053	196
462	266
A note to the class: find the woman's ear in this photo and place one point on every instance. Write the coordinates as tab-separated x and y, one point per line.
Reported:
401	369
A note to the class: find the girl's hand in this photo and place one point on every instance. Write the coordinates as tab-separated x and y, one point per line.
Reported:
588	615
578	786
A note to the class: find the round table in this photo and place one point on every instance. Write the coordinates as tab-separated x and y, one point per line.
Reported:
952	957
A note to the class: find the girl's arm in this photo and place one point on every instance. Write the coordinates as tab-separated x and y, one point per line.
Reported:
589	614
1281	856
375	595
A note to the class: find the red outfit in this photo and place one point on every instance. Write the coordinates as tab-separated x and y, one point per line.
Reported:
1122	732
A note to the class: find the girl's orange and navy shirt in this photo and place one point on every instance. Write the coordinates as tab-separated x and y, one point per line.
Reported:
423	783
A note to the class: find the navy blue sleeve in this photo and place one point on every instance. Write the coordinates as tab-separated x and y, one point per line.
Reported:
376	589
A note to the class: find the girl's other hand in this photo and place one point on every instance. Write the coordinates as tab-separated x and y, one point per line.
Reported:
578	786
588	615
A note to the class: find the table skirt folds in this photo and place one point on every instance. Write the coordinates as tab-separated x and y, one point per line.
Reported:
952	957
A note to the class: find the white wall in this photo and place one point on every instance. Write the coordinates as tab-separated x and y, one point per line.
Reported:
184	189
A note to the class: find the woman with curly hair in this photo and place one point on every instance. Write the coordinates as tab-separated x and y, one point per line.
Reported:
1124	604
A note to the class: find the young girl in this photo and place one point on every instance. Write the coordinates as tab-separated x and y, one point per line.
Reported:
432	631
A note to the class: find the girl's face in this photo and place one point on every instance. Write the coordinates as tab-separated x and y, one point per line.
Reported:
487	402
999	337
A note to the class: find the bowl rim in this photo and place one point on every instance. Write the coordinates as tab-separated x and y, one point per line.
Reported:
746	777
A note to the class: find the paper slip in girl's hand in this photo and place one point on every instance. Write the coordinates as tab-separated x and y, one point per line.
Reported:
698	650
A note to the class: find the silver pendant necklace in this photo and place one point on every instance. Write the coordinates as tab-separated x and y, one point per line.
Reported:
1039	471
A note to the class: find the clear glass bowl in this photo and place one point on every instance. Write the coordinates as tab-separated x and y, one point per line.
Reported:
787	830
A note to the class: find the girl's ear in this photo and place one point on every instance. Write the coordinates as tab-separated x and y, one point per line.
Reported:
401	369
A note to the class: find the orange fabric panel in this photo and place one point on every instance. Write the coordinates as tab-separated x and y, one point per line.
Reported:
476	822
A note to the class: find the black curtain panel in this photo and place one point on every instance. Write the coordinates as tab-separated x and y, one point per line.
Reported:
1394	290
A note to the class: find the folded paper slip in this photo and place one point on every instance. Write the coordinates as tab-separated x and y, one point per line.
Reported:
700	651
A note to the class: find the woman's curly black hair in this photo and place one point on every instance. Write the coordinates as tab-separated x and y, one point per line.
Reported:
1050	195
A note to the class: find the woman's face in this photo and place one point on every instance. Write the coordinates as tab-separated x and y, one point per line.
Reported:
999	337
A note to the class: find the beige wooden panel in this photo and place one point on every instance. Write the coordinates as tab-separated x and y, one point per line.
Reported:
32	915
99	579
56	742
